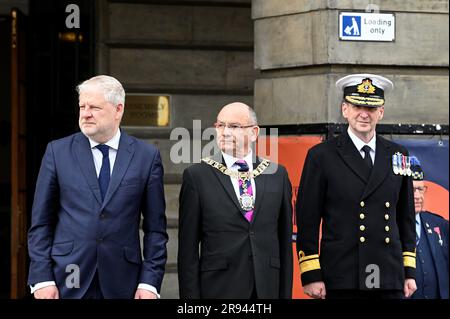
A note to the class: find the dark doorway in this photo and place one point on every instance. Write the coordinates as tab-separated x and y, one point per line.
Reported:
60	59
55	59
5	156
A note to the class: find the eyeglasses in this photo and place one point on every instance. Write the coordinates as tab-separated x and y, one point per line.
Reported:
222	126
421	189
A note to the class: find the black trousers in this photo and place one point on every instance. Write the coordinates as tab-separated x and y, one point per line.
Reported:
94	291
254	295
364	294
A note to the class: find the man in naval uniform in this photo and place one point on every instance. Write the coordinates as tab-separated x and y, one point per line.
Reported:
359	186
432	243
235	230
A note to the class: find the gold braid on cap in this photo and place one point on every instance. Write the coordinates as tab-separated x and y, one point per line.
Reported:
364	100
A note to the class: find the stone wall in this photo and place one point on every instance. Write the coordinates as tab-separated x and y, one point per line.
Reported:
298	51
199	53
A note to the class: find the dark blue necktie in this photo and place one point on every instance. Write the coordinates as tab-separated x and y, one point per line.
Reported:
367	159
105	171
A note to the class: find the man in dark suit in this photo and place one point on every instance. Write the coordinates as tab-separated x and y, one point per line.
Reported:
235	218
432	244
359	186
91	190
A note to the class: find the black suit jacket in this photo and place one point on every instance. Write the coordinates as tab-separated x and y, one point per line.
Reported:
221	254
368	235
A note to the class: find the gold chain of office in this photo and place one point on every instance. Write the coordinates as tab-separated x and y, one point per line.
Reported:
236	174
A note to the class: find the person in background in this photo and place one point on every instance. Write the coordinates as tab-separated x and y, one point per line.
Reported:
432	243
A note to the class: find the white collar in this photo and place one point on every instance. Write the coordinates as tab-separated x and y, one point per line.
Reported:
360	143
113	143
230	160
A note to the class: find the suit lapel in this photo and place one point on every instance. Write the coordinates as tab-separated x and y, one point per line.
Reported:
381	167
352	158
123	158
82	152
433	240
431	237
260	184
225	181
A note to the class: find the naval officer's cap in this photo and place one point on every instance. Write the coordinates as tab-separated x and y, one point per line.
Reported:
364	89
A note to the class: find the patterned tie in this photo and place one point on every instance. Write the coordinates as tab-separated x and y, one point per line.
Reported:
417	233
105	171
243	167
367	159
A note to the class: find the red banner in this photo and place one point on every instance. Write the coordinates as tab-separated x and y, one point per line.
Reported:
291	154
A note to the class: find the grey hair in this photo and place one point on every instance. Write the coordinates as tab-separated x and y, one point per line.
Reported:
111	88
252	116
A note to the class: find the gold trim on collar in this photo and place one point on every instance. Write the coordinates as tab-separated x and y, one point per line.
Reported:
236	174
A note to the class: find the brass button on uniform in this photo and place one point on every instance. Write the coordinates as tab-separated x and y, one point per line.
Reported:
362	204
361	216
386	216
386	228
387	204
362	239
362	227
387	240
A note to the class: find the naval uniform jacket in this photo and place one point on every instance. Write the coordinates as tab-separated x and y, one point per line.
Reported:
368	225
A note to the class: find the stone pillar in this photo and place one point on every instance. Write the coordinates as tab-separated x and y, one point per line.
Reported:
300	57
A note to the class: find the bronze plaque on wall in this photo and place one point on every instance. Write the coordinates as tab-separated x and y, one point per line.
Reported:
146	110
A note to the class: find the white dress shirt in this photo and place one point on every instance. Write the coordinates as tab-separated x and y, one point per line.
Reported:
98	159
230	163
360	144
98	156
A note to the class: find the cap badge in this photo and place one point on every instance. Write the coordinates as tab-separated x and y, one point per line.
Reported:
366	87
